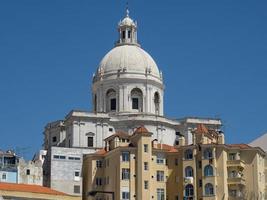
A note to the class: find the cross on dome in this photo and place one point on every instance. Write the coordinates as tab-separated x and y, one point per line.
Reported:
127	12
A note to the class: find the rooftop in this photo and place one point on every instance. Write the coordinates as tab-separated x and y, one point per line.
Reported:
29	188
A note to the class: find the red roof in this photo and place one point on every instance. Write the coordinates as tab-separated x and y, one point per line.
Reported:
119	134
29	188
141	130
241	146
201	128
166	147
101	152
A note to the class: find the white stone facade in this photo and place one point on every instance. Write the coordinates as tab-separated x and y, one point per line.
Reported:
30	172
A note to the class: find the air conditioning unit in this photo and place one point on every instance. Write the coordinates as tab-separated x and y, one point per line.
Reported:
189	180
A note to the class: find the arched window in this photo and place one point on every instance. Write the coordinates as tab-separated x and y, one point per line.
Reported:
188	154
189	190
111	101
209	190
156	102
208	153
189	172
137	99
208	170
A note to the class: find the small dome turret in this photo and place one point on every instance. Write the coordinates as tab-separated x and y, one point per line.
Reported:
127	29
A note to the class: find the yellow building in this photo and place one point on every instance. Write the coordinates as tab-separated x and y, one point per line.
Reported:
137	167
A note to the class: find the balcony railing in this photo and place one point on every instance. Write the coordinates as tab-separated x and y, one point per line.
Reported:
236	163
236	180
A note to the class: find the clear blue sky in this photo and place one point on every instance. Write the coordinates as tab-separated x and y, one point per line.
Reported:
213	55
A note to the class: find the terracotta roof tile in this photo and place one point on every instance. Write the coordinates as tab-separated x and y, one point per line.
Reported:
101	152
119	134
166	147
201	128
241	146
140	130
29	188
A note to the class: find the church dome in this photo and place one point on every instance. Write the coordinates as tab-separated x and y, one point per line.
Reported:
128	59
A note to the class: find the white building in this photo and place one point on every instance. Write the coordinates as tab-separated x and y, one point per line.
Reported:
127	92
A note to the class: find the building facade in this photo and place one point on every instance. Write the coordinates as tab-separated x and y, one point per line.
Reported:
8	167
262	143
14	169
139	167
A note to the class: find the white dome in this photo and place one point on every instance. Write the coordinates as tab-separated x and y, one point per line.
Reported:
128	58
127	21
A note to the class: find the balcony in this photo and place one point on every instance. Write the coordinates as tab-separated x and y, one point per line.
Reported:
236	194
236	163
238	180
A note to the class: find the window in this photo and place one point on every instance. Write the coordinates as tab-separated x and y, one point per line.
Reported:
54	139
113	104
125	156
76	189
129	34
188	155
90	141
189	172
189	190
135	103
208	170
4	176
232	156
160	194
123	34
176	161
125	174
28	172
98	181
59	157
137	99
125	195
110	129
208	154
77	173
160	175
145	148
160	159
209	189
200	182
145	166
99	164
146	185
74	158
156	102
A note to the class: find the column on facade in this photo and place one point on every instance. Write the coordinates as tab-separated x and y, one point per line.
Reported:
121	99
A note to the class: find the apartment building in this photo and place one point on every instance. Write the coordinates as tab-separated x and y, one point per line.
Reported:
138	167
